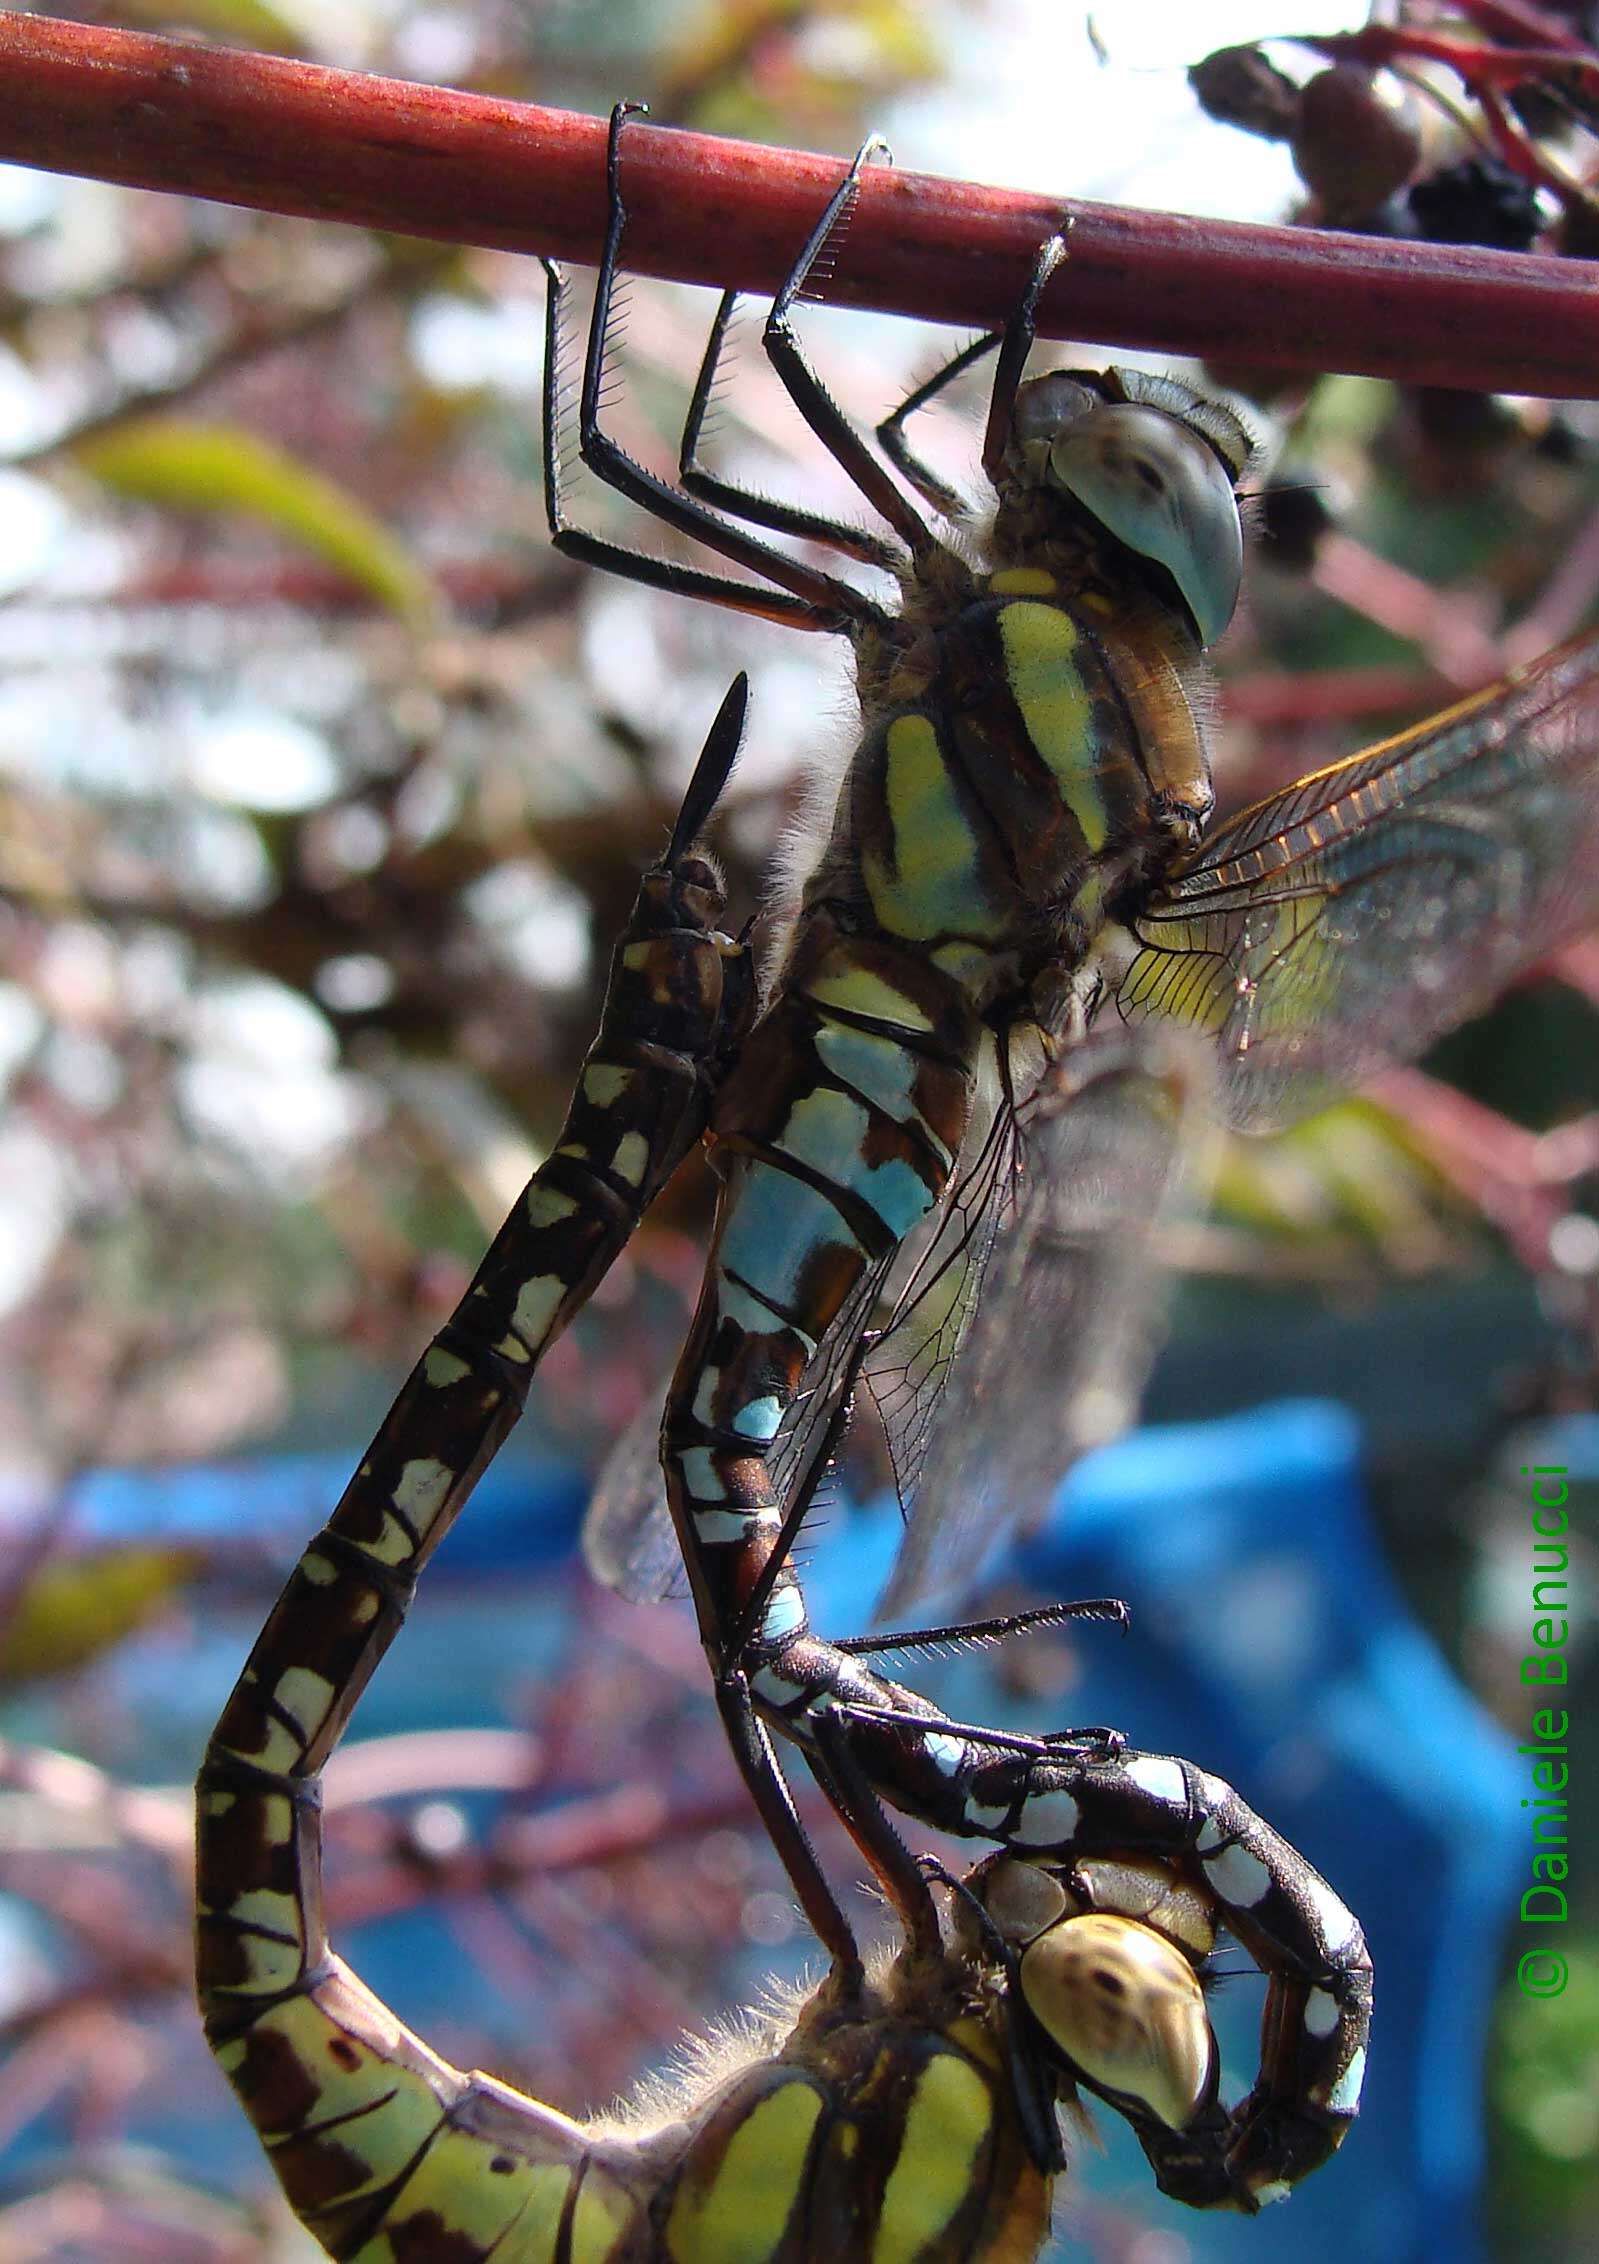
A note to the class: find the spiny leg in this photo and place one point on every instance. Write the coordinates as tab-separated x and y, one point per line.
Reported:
811	397
835	1767
745	503
768	1788
814	600
930	485
614	557
963	1634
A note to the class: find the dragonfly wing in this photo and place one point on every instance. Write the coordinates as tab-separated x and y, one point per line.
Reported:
933	1294
1060	1342
629	1541
1351	919
800	1451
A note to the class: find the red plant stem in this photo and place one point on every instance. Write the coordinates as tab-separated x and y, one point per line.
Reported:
1477	66
1519	1181
426	161
1524	25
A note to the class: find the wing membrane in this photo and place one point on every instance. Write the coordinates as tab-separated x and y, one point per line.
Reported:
1064	1333
1351	919
629	1540
907	1365
1338	925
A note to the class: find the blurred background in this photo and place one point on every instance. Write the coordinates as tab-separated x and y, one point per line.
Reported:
324	786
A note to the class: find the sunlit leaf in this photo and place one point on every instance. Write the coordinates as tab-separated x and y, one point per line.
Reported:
210	467
77	1607
245	23
1350	1169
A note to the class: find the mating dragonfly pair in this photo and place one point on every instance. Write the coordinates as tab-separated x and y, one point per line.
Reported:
1013	896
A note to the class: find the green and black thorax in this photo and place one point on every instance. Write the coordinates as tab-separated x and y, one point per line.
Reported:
1034	743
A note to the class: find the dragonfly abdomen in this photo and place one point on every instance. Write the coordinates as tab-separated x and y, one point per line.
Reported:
363	2122
839	1129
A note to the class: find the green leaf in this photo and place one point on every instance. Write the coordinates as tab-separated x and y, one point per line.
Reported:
211	467
76	1607
1350	1169
244	23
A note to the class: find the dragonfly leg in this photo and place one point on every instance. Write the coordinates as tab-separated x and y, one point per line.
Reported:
838	1772
810	396
744	503
1016	343
805	597
961	1634
768	1787
930	485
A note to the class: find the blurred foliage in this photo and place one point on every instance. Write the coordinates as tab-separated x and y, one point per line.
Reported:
323	784
1546	2090
183	466
86	1603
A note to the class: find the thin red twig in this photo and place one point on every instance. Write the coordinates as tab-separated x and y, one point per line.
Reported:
293	137
1526	26
1519	1181
1478	66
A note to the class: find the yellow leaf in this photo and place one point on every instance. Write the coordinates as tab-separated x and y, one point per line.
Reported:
242	23
211	467
76	1607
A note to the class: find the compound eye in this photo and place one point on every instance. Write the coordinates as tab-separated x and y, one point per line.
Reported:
1159	489
1125	2008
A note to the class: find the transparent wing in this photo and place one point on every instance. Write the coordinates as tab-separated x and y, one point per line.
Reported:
908	1362
829	1380
1351	919
629	1540
1061	1340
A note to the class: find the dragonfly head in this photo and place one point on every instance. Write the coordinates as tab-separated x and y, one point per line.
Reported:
1118	1996
1152	463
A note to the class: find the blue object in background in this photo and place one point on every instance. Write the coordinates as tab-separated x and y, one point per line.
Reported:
1269	1644
523	1516
1249	1542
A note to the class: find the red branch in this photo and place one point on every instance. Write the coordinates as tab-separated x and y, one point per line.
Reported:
426	161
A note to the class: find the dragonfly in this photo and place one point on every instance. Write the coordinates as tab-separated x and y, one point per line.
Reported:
1018	887
909	2109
